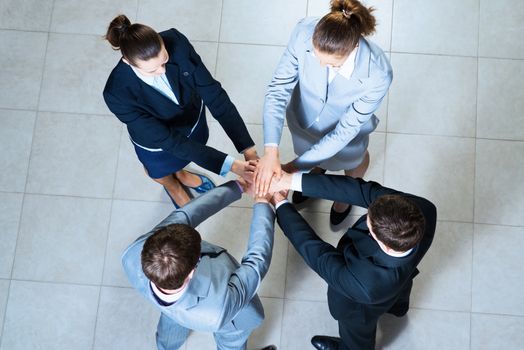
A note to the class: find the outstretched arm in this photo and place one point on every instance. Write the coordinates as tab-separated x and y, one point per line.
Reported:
321	257
244	282
204	206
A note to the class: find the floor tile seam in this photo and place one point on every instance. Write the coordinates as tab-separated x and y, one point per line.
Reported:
14	109
391	26
106	248
499	225
76	113
218	38
285	288
473	313
3	325
282	46
414	53
24	30
496	139
41	194
58	283
474	174
104	259
454	136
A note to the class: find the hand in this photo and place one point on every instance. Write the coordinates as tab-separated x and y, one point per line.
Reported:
244	169
267	169
251	154
246	186
278	197
263	199
284	184
289	167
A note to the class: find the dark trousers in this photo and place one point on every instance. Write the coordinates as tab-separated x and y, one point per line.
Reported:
360	333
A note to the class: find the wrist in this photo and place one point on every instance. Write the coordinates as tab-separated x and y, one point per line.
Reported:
236	166
271	150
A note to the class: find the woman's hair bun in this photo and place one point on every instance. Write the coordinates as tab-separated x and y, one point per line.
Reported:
116	28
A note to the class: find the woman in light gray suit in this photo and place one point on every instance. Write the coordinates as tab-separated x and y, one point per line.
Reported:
329	82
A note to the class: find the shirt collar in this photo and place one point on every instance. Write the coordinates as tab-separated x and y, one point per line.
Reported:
346	69
167	298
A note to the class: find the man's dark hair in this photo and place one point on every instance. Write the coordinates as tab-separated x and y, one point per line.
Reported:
170	254
397	222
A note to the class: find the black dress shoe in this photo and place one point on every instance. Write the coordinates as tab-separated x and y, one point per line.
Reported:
335	217
399	309
269	347
323	342
298	197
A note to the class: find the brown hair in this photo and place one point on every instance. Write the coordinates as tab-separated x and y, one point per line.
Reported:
397	222
338	32
170	254
135	41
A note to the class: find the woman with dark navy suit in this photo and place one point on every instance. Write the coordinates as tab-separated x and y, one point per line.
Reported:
160	89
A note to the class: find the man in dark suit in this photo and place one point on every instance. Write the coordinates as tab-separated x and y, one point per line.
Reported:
371	270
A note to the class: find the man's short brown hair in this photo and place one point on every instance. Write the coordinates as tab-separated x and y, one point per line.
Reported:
397	222
170	254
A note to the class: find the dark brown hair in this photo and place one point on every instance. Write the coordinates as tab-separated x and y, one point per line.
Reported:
397	222
338	32
135	41
170	254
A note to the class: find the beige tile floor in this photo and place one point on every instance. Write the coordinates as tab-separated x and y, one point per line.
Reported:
73	195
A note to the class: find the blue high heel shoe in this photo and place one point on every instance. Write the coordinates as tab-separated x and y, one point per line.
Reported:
206	184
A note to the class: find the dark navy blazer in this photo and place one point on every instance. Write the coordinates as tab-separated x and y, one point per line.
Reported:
363	281
155	121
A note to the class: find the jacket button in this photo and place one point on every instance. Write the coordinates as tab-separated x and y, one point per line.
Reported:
185	74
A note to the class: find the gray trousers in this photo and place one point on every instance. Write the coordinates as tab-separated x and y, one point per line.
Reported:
171	336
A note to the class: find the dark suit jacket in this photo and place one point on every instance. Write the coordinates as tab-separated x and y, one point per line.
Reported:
364	282
154	121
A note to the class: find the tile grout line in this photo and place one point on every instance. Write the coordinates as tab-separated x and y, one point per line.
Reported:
107	236
284	296
218	42
474	179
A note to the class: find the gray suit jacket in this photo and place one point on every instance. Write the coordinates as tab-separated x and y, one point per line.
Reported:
221	296
325	117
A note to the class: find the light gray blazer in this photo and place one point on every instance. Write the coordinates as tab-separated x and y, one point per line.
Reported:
221	296
324	119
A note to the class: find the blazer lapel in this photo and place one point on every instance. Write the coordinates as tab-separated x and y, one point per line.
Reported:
173	78
356	83
314	74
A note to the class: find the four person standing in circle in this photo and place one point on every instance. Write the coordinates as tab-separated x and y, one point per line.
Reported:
328	84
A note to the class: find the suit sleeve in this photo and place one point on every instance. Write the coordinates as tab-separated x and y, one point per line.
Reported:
344	189
244	282
154	133
218	102
279	91
357	114
321	257
204	206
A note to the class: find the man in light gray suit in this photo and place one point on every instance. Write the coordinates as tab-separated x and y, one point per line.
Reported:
198	285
